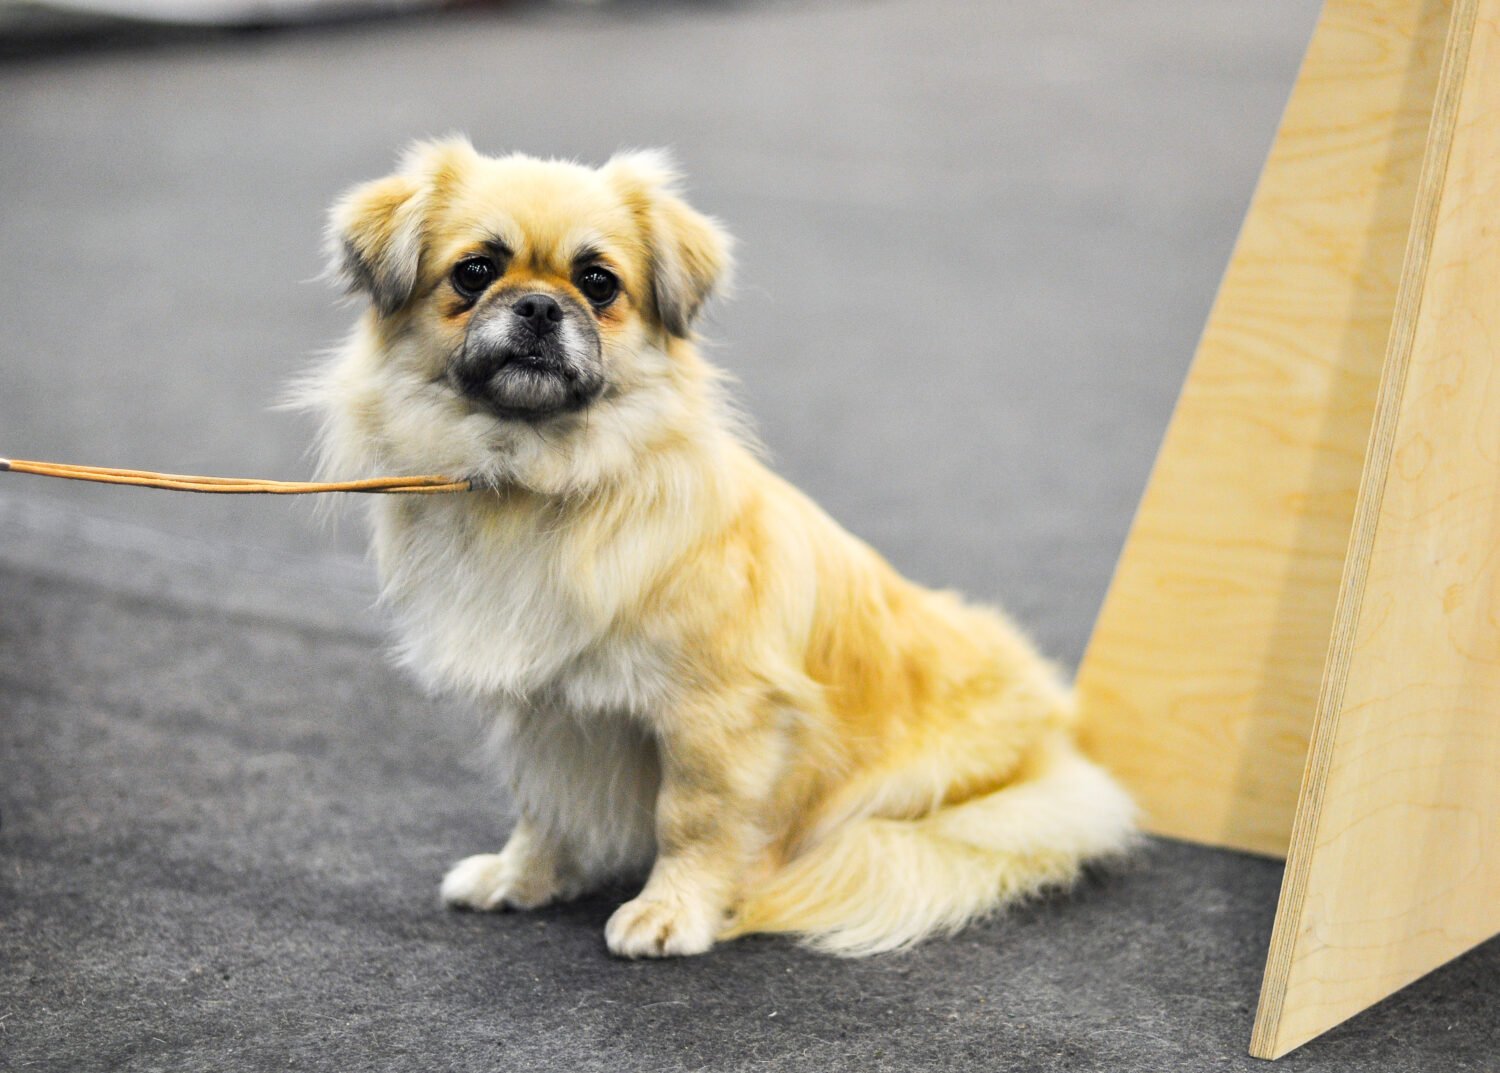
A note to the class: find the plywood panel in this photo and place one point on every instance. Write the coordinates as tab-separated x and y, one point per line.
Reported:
1200	682
1395	858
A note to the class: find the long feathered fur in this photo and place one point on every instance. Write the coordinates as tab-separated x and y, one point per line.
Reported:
688	666
877	884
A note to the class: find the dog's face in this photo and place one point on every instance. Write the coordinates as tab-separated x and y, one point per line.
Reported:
525	293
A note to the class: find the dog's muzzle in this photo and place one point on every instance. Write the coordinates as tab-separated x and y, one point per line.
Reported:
529	356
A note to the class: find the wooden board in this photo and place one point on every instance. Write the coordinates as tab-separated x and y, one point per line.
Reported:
1395	859
1199	685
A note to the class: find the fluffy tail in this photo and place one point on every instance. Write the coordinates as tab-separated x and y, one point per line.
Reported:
881	884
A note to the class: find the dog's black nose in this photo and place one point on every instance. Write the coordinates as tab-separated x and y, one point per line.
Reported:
541	313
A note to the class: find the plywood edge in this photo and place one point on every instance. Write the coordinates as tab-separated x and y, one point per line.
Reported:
1267	1040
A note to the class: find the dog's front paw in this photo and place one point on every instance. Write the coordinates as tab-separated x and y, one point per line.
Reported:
500	881
654	928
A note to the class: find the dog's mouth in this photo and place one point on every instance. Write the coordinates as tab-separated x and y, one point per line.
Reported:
529	356
528	380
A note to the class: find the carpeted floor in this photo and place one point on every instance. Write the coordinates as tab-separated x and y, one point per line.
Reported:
222	835
223	816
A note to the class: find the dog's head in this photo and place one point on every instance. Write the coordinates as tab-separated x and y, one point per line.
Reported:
523	293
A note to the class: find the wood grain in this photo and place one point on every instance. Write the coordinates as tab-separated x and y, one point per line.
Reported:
1395	859
1199	685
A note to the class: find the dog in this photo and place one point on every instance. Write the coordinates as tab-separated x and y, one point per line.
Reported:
693	674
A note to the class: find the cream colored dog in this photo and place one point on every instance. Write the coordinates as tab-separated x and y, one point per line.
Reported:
689	666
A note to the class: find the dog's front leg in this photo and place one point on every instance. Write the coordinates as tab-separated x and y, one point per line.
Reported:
718	767
529	872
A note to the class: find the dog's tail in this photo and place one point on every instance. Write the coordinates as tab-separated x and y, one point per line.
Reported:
881	884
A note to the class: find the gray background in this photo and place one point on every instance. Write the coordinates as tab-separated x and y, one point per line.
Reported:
977	244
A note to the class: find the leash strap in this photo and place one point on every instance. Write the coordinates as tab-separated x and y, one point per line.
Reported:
178	482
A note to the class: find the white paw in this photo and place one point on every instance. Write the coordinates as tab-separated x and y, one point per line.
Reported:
500	881
653	928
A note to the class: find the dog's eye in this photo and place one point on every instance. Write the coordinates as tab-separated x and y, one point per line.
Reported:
473	275
599	285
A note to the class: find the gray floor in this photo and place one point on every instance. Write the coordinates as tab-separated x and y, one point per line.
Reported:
977	245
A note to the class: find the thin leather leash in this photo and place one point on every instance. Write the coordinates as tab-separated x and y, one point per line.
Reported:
179	482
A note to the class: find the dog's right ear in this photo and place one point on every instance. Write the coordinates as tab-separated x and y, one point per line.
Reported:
689	253
375	239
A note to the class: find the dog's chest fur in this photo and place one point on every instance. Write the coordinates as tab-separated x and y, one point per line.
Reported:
497	598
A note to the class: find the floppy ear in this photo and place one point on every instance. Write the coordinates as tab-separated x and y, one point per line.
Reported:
689	253
375	239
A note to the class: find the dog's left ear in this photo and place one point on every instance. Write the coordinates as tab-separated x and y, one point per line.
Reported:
375	231
689	253
375	239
